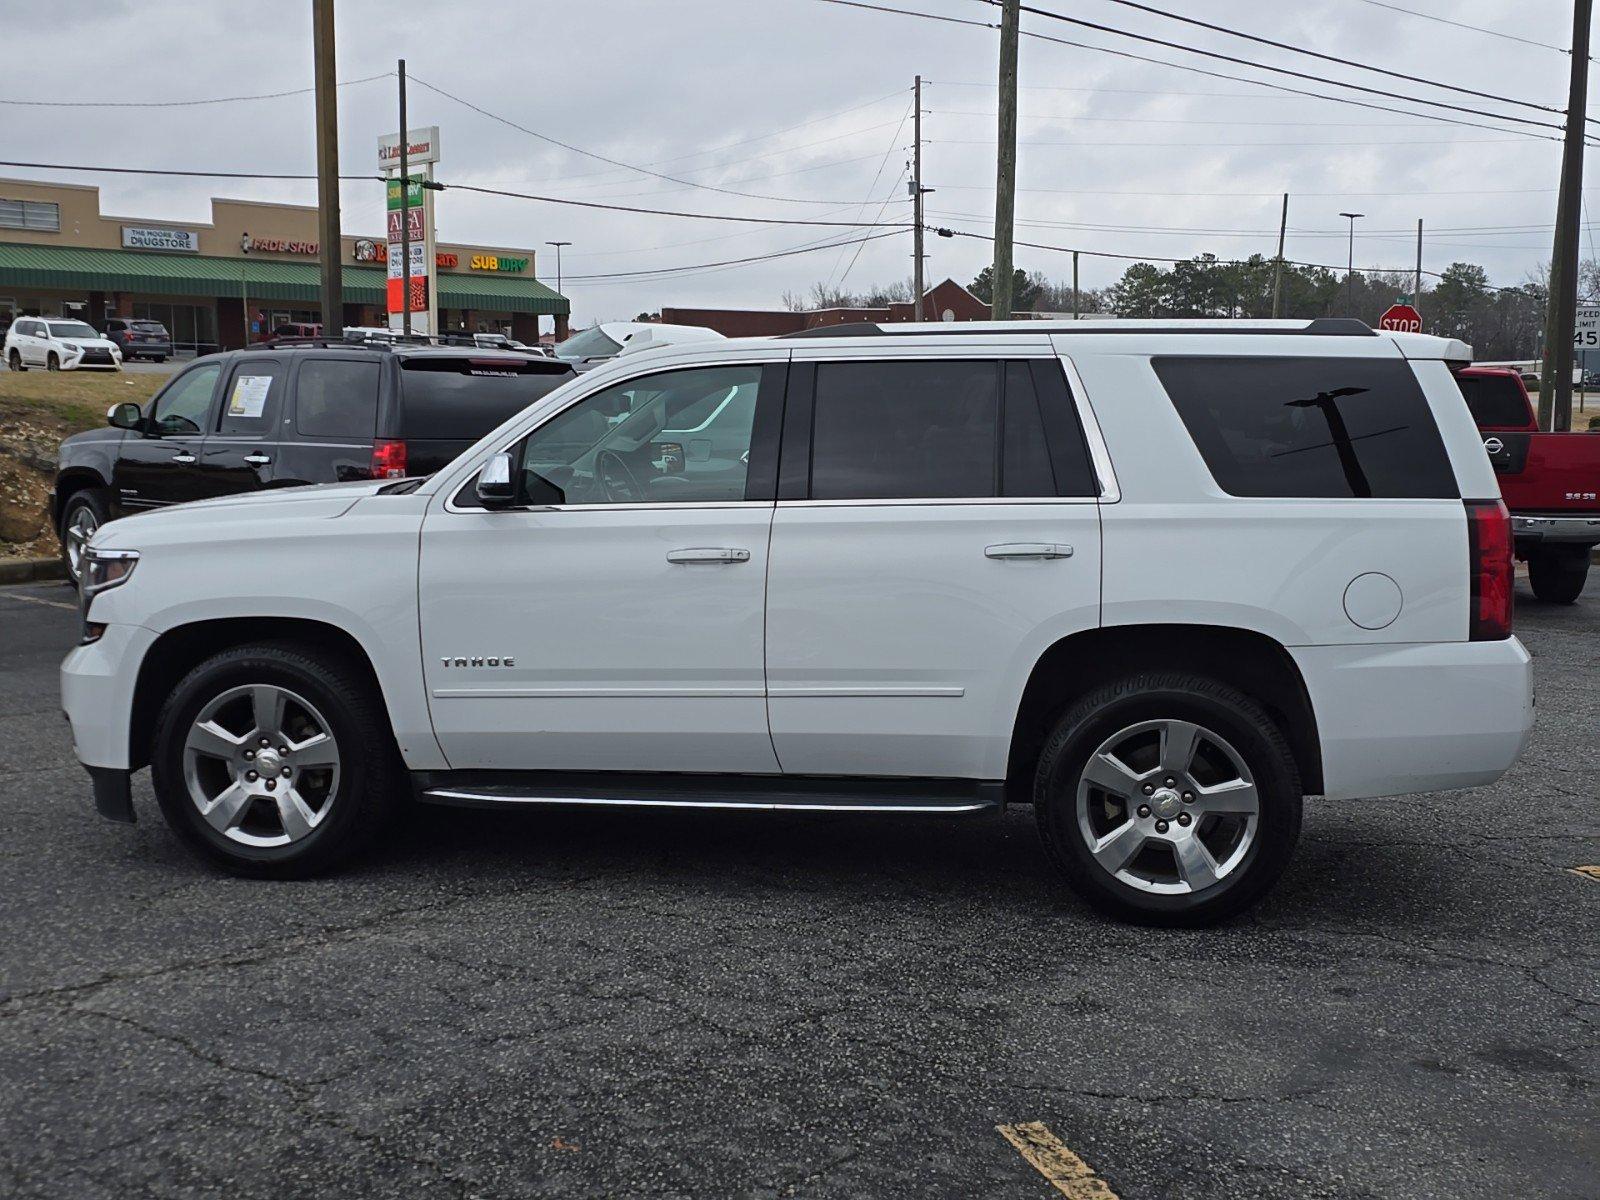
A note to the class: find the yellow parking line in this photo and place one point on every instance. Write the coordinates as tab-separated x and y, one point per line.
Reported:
1587	872
1067	1173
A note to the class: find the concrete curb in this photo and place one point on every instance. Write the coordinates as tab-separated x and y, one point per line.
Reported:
30	570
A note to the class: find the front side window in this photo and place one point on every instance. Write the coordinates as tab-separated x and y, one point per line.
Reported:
678	437
1334	428
183	407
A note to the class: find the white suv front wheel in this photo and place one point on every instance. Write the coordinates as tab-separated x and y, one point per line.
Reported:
275	760
1168	798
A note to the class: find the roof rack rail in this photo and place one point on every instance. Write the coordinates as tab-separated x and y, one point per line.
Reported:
372	341
1316	327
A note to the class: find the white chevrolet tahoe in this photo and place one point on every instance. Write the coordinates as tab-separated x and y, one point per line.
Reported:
1159	580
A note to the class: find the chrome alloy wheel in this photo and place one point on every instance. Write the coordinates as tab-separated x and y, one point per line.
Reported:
1167	807
262	766
80	528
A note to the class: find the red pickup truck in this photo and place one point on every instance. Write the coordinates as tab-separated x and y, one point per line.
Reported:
1550	481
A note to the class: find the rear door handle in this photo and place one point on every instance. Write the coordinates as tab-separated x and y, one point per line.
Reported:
184	457
1028	550
693	555
257	460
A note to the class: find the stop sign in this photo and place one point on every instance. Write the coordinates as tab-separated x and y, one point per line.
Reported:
1401	318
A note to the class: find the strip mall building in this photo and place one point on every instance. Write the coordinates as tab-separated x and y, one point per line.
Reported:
61	257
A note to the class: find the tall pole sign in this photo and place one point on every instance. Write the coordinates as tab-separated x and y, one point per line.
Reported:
411	229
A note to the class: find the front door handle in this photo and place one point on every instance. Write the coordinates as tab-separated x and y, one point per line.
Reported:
184	457
1028	550
707	554
257	459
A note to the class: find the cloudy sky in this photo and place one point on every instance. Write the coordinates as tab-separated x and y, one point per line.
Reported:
798	110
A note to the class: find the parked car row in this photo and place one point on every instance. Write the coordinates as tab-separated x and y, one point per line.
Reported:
1159	581
280	416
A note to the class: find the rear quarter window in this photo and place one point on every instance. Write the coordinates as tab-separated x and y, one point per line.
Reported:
1336	428
1495	400
463	398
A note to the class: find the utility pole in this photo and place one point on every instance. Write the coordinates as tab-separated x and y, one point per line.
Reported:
1005	184
405	210
1416	281
917	285
1277	267
1555	375
327	166
1350	269
1074	285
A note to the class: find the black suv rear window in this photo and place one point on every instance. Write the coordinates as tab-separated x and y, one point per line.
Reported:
464	397
1311	427
1494	400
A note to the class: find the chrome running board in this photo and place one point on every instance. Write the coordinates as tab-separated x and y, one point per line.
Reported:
755	793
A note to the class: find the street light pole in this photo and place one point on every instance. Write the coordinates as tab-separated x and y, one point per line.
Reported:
1350	267
558	246
328	237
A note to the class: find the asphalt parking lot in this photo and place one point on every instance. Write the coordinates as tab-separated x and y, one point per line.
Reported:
695	1005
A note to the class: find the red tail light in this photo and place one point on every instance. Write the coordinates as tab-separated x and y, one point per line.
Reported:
388	459
1489	565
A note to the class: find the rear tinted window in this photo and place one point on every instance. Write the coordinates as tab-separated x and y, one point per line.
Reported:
463	398
905	430
337	398
1313	427
1494	399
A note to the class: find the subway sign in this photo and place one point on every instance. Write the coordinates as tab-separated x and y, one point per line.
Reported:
498	262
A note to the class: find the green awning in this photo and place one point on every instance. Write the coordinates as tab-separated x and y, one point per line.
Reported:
151	274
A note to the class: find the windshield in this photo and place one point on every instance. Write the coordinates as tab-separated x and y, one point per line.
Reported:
591	343
76	329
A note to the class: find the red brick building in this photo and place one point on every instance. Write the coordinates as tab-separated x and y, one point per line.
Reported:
947	301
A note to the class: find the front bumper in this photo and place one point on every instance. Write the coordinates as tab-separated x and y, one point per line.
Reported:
97	686
1419	717
1584	529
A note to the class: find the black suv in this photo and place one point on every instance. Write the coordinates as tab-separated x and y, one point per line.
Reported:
287	415
138	338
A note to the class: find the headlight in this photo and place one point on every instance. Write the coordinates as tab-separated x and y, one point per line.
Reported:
70	346
104	569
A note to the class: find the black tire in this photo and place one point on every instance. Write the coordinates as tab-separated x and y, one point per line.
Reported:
1215	707
369	770
1557	574
52	363
160	358
90	501
15	362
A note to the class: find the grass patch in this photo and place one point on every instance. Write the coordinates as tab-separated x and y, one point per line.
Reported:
71	400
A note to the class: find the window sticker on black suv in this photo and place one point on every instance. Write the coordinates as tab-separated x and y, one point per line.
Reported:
1311	427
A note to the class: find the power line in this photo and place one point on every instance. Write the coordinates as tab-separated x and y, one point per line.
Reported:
1289	71
667	272
1510	37
872	187
1332	58
543	137
1194	70
966	112
185	103
466	187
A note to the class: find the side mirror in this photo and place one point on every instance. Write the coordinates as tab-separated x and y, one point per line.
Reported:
496	482
126	415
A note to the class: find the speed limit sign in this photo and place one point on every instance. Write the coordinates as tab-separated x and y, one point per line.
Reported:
1586	330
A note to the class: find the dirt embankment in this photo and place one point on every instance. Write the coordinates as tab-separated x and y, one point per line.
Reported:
37	410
